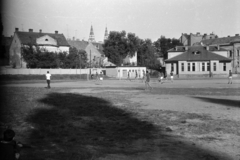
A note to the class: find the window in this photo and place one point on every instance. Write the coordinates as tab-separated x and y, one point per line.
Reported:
203	66
230	54
182	67
193	67
172	67
208	66
224	66
238	64
214	66
189	67
46	39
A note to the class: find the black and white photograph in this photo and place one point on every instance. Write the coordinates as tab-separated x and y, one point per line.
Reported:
120	80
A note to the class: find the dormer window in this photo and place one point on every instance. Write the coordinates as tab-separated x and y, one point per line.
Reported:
46	39
196	52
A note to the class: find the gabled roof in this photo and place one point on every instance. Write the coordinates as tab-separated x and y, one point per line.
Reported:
203	55
30	37
224	40
80	45
183	48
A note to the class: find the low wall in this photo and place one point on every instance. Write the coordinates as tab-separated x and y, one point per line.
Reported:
111	72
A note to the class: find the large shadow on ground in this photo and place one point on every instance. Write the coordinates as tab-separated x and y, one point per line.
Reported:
226	102
74	126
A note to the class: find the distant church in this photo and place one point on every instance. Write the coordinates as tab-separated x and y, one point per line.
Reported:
92	37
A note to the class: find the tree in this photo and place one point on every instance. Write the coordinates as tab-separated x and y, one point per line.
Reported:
147	54
41	58
163	44
118	46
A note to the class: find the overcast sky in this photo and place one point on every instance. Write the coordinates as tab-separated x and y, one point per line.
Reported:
146	18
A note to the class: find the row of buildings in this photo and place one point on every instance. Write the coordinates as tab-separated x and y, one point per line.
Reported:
200	54
204	55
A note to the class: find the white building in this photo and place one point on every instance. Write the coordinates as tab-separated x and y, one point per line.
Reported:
52	42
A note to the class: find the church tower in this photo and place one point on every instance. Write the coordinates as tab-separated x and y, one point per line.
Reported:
106	34
91	36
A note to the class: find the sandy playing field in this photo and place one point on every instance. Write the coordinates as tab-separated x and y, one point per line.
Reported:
196	119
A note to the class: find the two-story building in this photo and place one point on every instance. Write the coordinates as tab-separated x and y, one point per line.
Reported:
232	45
52	42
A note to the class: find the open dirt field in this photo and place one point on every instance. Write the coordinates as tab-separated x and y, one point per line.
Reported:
118	119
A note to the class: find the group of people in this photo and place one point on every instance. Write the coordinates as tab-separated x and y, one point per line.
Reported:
146	78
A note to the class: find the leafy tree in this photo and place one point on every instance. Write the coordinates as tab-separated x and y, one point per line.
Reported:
147	54
119	45
163	44
41	58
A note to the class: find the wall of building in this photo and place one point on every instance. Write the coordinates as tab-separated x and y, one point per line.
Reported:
199	68
46	40
173	54
122	72
15	58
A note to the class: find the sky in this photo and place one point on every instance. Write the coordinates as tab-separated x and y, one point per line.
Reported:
146	18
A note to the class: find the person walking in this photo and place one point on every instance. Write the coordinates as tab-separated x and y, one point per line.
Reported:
147	81
144	76
48	78
129	76
171	76
230	77
136	74
97	77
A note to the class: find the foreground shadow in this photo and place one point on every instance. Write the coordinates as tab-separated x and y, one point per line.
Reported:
74	126
226	102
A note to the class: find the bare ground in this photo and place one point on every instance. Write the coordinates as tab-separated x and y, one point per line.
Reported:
183	120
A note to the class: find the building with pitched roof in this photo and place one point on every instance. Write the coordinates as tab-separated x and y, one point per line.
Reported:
232	45
94	52
53	42
198	61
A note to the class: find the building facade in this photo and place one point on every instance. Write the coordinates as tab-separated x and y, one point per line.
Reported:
232	45
193	39
204	61
52	42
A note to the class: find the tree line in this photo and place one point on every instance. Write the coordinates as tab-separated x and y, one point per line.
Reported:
37	57
120	44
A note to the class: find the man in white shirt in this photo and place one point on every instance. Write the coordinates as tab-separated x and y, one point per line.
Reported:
48	77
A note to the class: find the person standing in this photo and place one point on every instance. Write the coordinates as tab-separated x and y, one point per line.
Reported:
136	74
10	149
147	85
230	77
144	75
97	77
48	78
171	76
129	76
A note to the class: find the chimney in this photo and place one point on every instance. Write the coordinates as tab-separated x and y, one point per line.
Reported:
56	32
73	38
176	48
198	33
40	31
207	48
185	48
30	30
228	36
16	29
236	35
218	47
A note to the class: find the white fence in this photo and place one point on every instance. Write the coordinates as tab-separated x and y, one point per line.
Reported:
112	72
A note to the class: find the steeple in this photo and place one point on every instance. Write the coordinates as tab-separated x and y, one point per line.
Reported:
91	36
106	34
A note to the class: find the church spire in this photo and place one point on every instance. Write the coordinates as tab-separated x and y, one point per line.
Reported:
106	34
91	36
